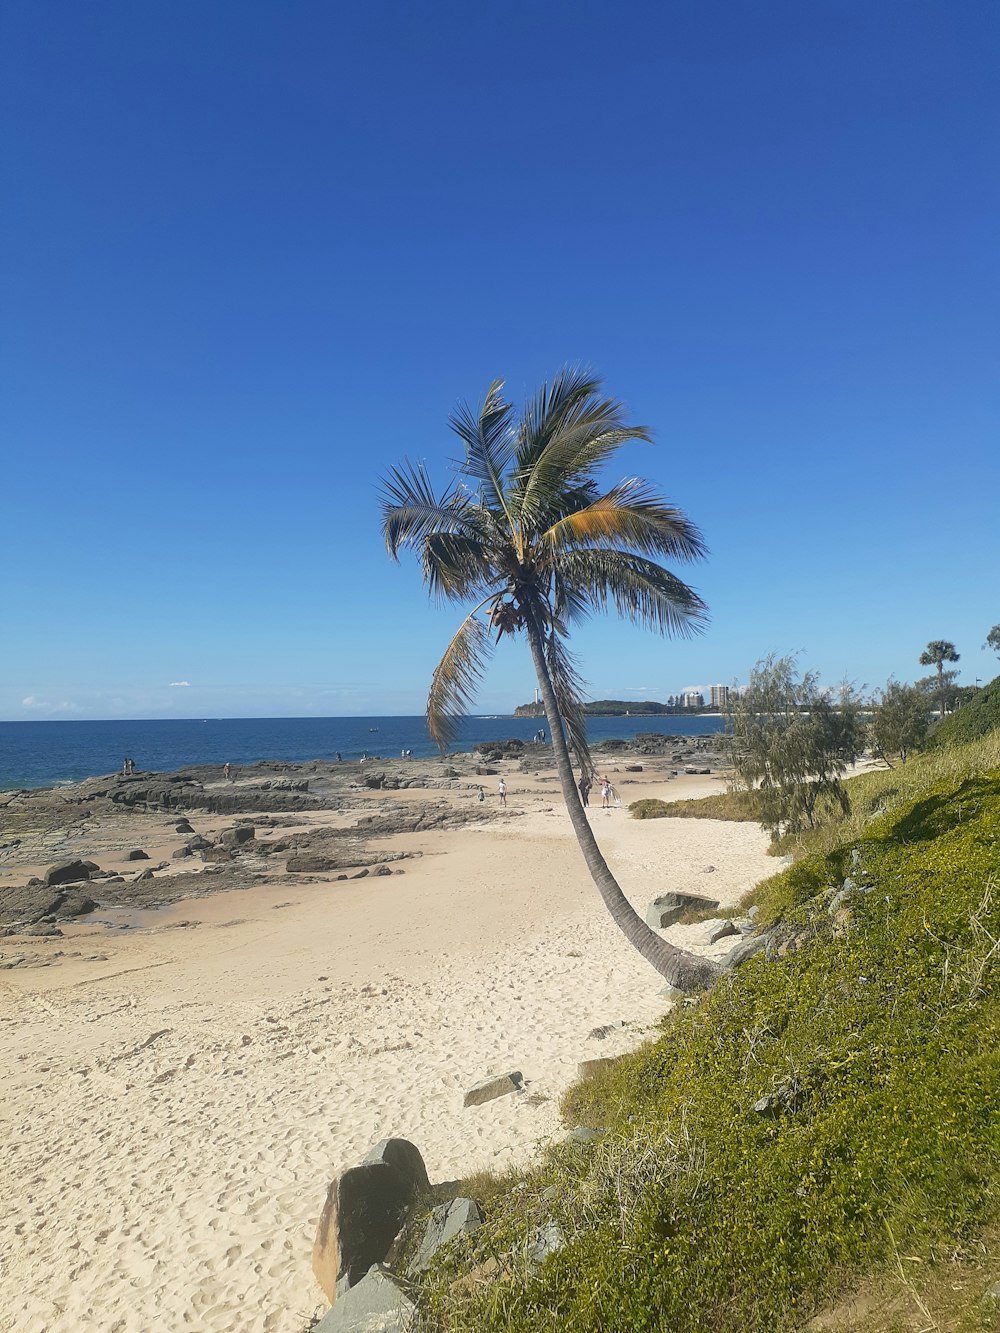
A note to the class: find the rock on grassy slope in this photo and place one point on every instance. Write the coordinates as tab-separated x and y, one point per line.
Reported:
812	1120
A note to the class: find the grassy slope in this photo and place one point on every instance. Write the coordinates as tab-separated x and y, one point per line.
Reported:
881	1031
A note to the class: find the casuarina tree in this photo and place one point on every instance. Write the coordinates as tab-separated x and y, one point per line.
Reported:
937	652
529	535
993	640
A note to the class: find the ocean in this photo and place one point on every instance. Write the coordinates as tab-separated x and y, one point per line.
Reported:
44	754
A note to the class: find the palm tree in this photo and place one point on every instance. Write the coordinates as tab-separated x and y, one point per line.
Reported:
937	652
528	534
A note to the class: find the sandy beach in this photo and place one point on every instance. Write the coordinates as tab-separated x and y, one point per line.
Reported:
181	1084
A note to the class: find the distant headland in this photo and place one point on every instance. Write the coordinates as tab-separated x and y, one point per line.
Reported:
627	708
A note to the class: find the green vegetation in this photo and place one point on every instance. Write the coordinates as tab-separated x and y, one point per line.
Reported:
978	716
993	640
790	745
899	722
937	652
814	1121
737	806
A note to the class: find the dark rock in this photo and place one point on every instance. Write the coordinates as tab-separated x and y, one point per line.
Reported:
236	837
633	768
183	827
606	1031
670	907
445	1223
721	930
70	872
137	854
490	1088
181	853
198	843
42	930
73	904
364	1209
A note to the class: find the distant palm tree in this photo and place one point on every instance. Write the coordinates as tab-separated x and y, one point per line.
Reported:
937	652
528	533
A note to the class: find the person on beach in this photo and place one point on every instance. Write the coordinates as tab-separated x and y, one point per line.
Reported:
339	760
502	789
225	771
482	795
605	794
585	785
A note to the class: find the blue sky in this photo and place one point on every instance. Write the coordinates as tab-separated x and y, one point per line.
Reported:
253	255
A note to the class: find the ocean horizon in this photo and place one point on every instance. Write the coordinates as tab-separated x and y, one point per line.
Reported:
49	753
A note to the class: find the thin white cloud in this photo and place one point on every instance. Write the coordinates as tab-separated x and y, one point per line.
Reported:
175	684
43	706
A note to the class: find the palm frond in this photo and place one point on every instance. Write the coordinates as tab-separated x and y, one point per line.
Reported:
456	566
639	590
553	408
411	511
630	515
570	437
456	678
490	442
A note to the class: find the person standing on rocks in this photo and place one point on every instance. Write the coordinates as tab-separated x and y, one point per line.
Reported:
225	771
502	789
585	785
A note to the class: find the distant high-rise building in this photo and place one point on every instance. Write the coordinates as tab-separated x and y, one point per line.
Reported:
693	699
720	696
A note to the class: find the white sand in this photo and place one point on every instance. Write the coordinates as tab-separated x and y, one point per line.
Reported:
171	1117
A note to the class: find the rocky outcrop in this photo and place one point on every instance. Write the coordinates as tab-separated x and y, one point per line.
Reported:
364	1209
38	902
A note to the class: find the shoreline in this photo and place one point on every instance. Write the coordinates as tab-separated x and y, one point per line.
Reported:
179	1104
70	752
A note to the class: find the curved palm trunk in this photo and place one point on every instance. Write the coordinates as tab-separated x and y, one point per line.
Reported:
681	969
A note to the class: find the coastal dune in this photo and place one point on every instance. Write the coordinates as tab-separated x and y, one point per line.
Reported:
176	1107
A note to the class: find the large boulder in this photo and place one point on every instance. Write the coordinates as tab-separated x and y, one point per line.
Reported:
375	1305
70	872
236	837
364	1209
670	907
